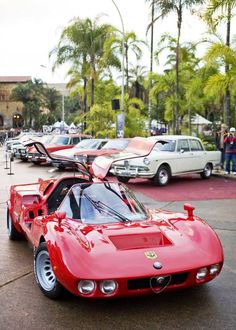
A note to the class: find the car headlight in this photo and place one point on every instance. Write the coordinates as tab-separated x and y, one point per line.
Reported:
146	161
214	269
201	273
86	286
108	286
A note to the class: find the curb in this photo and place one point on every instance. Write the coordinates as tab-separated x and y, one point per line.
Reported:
222	174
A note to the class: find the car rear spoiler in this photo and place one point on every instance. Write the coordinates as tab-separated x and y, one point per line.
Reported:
42	150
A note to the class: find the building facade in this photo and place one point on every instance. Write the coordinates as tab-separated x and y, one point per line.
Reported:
10	111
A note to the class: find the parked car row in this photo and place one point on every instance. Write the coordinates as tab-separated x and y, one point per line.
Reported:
155	158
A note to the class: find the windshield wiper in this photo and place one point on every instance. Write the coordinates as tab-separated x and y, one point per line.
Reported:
100	206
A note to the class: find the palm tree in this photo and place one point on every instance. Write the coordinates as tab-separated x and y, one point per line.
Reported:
163	9
82	44
131	45
218	11
138	74
220	84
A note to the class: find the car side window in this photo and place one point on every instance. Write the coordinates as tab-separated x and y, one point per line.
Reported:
70	206
183	145
195	145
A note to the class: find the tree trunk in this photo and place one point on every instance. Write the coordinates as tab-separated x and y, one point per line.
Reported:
85	102
227	91
176	112
126	68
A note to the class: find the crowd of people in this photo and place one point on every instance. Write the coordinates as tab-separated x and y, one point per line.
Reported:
226	143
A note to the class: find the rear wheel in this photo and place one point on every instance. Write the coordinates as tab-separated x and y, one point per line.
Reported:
123	179
44	273
13	234
162	176
206	174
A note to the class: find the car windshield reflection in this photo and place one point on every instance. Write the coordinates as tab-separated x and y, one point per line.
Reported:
167	145
97	203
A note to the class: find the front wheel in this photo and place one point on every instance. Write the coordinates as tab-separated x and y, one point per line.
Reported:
13	234
162	176
123	179
44	273
206	174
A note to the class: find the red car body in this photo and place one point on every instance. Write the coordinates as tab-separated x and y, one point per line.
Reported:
113	146
56	144
108	244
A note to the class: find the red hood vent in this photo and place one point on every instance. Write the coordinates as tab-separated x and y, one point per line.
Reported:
139	241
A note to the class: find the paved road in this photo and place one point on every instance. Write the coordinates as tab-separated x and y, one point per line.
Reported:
22	306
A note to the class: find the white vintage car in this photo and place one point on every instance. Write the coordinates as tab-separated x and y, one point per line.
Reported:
159	158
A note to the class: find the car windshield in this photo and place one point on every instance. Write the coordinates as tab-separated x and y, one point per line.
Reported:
60	140
165	145
46	139
103	202
116	144
88	144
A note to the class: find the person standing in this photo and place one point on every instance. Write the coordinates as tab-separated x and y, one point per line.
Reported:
220	137
230	151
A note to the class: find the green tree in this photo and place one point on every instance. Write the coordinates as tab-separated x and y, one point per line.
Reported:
82	44
163	8
222	11
30	94
51	99
132	45
138	74
220	83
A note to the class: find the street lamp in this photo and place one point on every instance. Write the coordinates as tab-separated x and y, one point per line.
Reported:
122	118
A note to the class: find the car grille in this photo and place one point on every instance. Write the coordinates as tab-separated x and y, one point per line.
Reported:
144	283
130	168
35	155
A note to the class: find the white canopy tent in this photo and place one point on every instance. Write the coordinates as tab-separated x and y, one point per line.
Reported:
199	120
60	124
202	124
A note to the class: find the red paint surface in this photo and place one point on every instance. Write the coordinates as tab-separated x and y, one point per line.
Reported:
187	188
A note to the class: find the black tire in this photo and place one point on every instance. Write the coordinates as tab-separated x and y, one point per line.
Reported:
162	176
206	174
44	274
123	179
13	234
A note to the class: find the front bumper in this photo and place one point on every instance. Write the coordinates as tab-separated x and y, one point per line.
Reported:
132	171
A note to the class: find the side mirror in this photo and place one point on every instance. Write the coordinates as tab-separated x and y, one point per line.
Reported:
189	208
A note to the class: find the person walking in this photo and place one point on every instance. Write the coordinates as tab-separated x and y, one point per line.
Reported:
230	151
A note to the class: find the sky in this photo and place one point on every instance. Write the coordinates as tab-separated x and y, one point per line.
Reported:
30	29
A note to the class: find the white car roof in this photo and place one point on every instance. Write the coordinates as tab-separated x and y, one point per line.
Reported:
172	137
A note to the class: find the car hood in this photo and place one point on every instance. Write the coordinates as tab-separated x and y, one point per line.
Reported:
65	152
138	147
130	249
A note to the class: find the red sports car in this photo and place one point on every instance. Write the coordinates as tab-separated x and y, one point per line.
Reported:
95	239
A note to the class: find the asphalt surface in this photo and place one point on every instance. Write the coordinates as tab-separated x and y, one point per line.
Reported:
23	306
